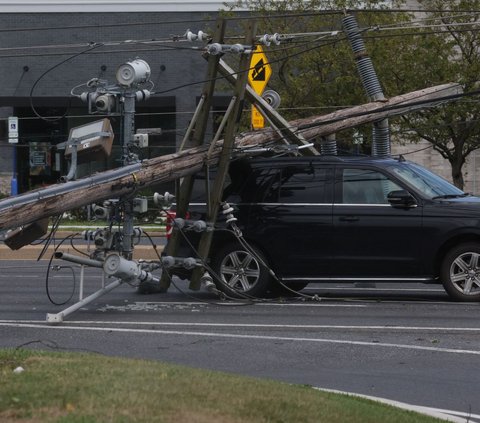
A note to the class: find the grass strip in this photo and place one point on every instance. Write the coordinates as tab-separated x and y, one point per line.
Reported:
91	388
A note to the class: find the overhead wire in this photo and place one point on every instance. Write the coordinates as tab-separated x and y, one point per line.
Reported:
47	276
240	71
48	71
98	43
161	92
170	278
245	15
164	48
437	100
174	45
179	39
89	49
180	21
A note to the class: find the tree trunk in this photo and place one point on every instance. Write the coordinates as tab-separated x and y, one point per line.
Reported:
457	175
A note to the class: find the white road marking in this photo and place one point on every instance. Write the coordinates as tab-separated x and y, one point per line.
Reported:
240	336
255	325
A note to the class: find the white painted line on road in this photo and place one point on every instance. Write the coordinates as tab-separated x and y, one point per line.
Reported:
255	325
279	326
240	336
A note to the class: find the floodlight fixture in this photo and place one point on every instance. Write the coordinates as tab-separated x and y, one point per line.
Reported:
133	73
91	138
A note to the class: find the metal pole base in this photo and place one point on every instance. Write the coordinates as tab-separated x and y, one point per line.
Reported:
55	319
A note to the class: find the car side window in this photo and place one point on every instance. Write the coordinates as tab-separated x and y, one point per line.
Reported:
299	184
366	186
251	185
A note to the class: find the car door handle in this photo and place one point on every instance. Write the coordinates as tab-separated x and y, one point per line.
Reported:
349	219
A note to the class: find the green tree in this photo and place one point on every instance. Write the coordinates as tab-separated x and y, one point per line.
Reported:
448	53
316	75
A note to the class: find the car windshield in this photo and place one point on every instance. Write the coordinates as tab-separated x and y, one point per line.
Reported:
429	184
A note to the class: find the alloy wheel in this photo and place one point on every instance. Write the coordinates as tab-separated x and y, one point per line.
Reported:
240	270
465	273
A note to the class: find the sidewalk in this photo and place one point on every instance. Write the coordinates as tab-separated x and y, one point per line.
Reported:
31	252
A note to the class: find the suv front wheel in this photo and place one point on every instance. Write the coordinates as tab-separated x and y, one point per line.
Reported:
460	272
241	270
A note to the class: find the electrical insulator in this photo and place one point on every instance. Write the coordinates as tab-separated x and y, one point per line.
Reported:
275	39
207	280
199	226
88	97
168	262
163	199
179	222
200	36
99	211
89	234
228	213
272	98
192	225
268	39
237	48
189	263
142	95
214	49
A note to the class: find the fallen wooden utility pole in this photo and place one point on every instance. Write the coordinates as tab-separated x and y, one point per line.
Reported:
322	126
30	207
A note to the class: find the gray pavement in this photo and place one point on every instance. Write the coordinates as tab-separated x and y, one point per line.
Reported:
404	343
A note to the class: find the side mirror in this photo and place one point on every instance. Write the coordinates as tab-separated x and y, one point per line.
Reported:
401	198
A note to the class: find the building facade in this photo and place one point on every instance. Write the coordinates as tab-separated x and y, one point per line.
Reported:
50	47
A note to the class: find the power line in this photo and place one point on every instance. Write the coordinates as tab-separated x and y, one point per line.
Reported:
248	15
174	47
200	20
103	43
437	100
241	71
103	52
104	25
94	46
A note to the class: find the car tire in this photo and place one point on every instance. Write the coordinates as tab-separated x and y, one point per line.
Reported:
241	272
460	272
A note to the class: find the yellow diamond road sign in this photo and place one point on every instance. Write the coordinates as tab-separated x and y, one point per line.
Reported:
260	71
258	76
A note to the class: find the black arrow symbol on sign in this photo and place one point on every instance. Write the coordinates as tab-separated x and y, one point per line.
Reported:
258	73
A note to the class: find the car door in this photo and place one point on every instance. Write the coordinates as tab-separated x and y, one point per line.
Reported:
371	238
292	219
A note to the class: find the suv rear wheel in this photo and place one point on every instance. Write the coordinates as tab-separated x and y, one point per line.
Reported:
241	270
460	272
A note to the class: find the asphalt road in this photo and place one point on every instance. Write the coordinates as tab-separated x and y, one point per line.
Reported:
407	344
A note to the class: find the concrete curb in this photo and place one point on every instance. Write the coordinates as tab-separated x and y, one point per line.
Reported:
32	252
446	415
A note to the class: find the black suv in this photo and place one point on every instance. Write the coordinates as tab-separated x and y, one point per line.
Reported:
313	219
